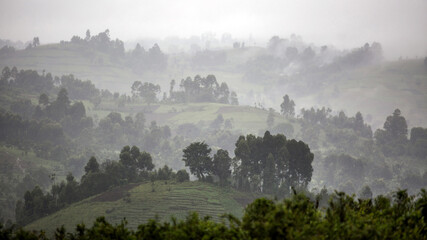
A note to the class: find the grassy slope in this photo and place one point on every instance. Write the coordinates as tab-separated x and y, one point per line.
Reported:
244	118
138	203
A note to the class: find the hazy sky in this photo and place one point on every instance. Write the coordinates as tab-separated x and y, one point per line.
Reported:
400	25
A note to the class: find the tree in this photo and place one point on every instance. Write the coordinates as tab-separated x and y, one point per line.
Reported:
182	176
270	183
87	38
144	161
134	158
221	166
233	98
43	99
217	122
393	138
36	42
287	107
147	91
396	126
92	166
197	157
270	118
62	98
300	160
365	193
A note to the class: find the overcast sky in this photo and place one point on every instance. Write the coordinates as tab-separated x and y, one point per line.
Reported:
400	25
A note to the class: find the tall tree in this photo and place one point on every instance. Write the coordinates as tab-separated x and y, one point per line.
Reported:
287	107
221	165
197	158
92	166
270	118
43	99
396	126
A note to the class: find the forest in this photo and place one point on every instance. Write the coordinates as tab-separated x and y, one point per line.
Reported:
125	134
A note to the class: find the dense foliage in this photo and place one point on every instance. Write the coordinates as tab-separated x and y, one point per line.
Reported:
269	164
298	217
202	89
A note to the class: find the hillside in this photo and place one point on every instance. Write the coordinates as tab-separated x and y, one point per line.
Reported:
372	89
244	119
63	60
138	203
21	171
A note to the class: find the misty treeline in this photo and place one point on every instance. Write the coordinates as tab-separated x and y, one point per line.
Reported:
349	154
269	164
291	56
132	166
139	59
299	217
199	89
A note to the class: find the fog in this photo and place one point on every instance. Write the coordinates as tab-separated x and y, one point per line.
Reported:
398	25
165	107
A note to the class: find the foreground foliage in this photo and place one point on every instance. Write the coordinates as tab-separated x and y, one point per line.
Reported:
401	217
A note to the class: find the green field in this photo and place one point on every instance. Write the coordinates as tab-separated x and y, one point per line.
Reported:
140	202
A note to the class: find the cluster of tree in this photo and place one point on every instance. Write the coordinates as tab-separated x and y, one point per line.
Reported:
71	116
287	49
78	89
33	82
14	44
101	42
28	79
365	55
35	43
202	89
44	137
7	50
147	91
197	156
133	166
393	139
287	107
198	90
269	164
299	217
272	164
141	60
342	132
113	130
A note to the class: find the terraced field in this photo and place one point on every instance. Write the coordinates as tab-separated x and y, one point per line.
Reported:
138	203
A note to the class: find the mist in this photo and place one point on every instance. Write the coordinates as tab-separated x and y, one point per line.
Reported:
143	110
398	25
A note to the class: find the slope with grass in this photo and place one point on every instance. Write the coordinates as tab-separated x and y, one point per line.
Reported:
245	119
141	202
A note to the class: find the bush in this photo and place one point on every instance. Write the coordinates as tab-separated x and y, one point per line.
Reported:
182	176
